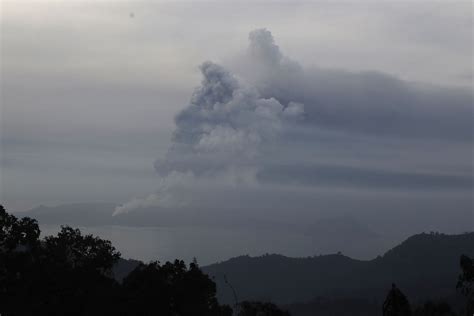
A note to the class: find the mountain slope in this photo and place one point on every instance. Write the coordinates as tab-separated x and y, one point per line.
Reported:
424	266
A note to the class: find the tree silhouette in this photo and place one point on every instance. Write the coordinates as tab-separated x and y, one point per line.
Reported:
466	282
260	309
17	234
434	309
75	251
71	274
68	272
77	271
170	289
19	252
396	304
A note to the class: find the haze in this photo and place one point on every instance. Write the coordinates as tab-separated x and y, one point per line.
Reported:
279	114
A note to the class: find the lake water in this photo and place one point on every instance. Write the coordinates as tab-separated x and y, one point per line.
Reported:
207	245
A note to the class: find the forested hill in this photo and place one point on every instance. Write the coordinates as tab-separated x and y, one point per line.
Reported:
424	266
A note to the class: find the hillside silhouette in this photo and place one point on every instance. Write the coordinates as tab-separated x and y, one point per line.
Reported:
321	235
424	265
77	274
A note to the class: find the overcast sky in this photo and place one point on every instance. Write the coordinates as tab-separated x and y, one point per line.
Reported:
345	105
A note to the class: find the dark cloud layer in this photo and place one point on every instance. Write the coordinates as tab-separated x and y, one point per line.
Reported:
345	176
368	102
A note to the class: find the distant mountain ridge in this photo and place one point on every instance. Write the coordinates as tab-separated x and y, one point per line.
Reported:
347	235
424	266
101	214
81	214
326	235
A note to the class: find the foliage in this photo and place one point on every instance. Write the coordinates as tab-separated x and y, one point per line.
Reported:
342	306
171	289
466	282
466	279
16	234
396	304
260	309
434	309
71	274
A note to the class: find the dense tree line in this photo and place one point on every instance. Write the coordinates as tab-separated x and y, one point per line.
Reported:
396	304
71	274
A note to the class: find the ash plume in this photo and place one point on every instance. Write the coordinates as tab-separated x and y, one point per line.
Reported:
264	120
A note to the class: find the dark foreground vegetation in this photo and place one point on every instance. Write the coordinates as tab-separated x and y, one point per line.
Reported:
73	274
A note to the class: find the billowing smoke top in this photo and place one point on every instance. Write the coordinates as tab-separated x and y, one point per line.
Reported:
225	124
262	47
217	86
